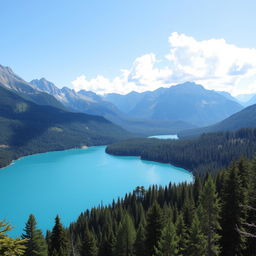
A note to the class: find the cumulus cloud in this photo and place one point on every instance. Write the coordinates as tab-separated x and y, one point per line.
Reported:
213	63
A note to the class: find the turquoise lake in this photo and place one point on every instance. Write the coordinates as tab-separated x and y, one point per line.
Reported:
69	182
165	137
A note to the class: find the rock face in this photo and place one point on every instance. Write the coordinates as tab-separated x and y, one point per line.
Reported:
11	81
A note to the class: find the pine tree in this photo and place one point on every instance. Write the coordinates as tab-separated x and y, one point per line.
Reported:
108	245
154	228
59	242
35	242
168	245
209	216
232	241
125	237
197	188
196	245
251	217
139	245
8	245
182	234
89	247
188	212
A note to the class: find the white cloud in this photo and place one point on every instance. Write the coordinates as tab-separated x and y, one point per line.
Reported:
213	63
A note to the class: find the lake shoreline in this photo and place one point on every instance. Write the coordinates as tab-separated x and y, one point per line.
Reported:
21	157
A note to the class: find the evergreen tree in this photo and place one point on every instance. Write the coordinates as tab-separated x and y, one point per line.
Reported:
196	245
209	216
250	229
89	247
182	234
139	246
125	237
188	212
168	245
59	242
108	245
197	188
154	228
232	241
8	245
35	242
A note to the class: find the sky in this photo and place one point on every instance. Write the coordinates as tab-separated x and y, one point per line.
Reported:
124	45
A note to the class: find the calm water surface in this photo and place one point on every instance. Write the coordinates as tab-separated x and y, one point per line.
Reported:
69	182
165	137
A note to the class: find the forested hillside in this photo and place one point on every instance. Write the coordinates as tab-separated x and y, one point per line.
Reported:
208	153
245	118
212	216
27	128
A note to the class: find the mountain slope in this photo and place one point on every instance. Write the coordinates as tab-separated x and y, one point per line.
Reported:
186	102
27	128
11	81
243	119
125	102
252	101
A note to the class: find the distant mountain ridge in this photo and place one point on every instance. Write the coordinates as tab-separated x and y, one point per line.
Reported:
246	118
188	102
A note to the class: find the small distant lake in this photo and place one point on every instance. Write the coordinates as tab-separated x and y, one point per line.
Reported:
69	182
165	137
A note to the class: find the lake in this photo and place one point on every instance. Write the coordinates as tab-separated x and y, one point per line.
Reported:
69	182
165	137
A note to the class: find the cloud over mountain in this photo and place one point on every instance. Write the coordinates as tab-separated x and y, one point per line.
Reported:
213	63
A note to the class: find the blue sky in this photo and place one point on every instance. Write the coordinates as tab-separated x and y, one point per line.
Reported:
81	39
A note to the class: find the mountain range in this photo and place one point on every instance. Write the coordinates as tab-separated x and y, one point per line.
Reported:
188	102
91	103
178	109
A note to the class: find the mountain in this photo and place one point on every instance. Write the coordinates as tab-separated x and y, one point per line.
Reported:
91	103
125	102
9	80
187	102
82	101
229	96
252	101
243	119
245	98
27	128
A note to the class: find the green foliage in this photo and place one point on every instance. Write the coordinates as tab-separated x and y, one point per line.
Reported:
126	236
196	245
89	247
59	245
181	231
139	246
35	242
154	228
209	216
232	214
8	245
168	245
208	153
